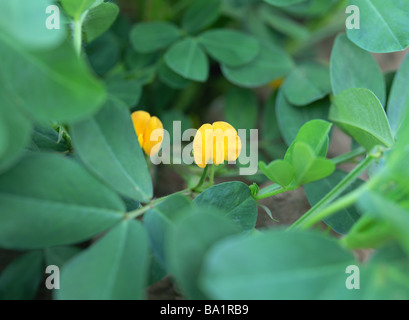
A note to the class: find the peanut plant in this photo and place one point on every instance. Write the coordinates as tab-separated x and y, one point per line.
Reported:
95	98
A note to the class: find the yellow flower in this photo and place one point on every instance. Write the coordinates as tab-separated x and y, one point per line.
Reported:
276	84
215	144
149	131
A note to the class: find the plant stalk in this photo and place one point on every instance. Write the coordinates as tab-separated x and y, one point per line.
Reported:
315	214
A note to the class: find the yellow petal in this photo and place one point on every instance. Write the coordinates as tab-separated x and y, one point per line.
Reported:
140	119
202	145
227	144
153	136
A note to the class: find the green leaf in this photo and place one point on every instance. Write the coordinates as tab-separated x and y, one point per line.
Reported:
171	78
398	104
238	102
278	171
57	74
187	59
368	232
310	8
315	134
25	22
386	271
201	14
114	268
104	53
232	200
383	25
15	130
20	280
45	138
153	36
49	200
75	8
270	130
169	118
291	119
396	216
262	70
283	3
360	114
307	166
58	256
189	241
343	220
352	67
108	146
282	23
128	90
160	219
307	83
276	265
230	47
99	19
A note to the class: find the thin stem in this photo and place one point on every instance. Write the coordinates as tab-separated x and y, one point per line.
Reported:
202	178
139	212
336	206
271	191
211	178
347	157
78	36
314	212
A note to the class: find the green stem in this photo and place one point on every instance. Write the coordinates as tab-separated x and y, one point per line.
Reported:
78	36
139	212
211	178
271	191
334	207
347	157
202	179
311	216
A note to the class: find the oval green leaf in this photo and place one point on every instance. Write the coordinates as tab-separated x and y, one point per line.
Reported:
108	146
187	59
99	19
153	36
276	265
232	200
360	114
291	118
271	63
160	219
200	14
21	279
383	25
58	74
352	67
307	166
307	83
189	241
114	268
49	200
398	103
238	102
230	47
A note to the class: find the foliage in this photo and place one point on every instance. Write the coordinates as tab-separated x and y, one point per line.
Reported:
78	192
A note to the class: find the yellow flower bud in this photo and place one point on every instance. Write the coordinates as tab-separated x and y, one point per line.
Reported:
149	131
216	144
